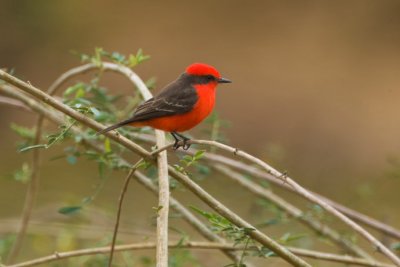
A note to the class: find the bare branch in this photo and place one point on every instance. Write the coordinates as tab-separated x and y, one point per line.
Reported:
13	103
311	197
293	211
120	201
213	158
256	172
196	245
235	219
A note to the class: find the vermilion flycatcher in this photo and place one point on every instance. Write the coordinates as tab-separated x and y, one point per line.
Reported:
179	106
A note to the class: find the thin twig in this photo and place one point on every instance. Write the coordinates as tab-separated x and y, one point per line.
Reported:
196	245
31	194
120	201
13	103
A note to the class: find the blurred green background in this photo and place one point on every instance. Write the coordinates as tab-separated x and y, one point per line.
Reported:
315	92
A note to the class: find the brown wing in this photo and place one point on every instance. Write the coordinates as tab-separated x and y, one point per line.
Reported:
174	99
179	97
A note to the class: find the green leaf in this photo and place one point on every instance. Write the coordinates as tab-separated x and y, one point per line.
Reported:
141	57
24	149
199	154
73	89
69	210
99	52
24	132
288	237
396	246
107	145
24	174
117	57
201	212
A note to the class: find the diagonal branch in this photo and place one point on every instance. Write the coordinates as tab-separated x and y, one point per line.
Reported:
162	221
293	211
311	197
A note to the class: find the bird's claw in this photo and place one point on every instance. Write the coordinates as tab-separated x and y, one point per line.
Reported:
180	141
185	145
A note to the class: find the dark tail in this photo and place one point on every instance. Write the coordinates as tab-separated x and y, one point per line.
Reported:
115	126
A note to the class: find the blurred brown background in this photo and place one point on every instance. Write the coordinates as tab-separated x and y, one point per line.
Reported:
315	92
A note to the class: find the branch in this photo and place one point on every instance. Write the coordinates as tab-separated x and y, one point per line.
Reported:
121	199
377	245
30	89
196	245
355	215
213	159
293	211
13	103
235	219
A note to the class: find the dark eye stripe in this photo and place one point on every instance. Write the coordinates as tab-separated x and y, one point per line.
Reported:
199	79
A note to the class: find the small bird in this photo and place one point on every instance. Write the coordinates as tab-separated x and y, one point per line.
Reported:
180	105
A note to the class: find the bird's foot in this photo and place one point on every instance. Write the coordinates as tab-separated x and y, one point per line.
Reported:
183	142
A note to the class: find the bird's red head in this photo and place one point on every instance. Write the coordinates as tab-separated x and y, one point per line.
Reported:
201	69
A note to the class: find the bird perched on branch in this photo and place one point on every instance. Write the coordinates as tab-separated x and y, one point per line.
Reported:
179	106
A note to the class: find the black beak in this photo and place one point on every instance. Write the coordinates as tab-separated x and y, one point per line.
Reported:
223	80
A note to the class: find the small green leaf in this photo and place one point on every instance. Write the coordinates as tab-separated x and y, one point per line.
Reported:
24	132
157	209
132	61
117	57
107	145
396	246
201	212
69	210
199	154
24	174
24	149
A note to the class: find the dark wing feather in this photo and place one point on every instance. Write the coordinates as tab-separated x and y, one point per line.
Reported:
178	97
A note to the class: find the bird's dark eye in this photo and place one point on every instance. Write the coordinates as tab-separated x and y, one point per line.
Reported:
210	77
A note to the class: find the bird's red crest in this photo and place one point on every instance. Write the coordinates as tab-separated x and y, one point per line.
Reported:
202	69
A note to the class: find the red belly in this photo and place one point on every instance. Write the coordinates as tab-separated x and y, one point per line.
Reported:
186	121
